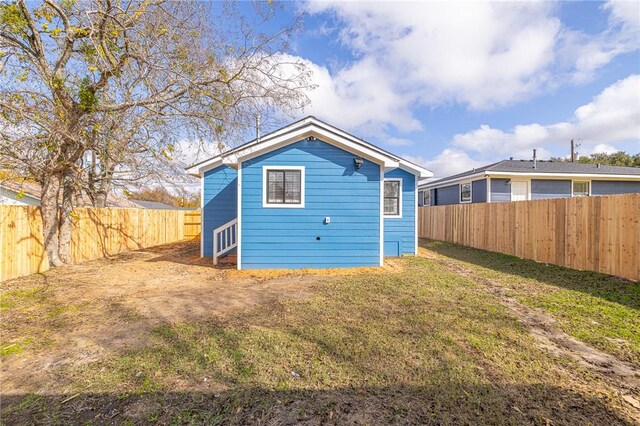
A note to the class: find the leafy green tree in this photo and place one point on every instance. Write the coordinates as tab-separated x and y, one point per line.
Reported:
619	158
98	89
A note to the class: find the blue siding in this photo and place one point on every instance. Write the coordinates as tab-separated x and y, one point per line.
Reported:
220	203
287	237
479	191
608	187
447	195
500	190
550	188
399	233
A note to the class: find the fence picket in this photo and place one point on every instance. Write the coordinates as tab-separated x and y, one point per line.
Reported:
95	233
590	233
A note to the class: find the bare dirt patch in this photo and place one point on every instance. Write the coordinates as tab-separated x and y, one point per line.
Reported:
89	310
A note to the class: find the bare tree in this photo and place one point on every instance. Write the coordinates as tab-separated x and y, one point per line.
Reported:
97	91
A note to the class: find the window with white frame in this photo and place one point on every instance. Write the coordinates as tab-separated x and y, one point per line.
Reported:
580	189
393	197
283	186
465	192
426	198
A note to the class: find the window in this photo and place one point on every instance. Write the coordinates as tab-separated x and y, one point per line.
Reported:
465	192
283	186
426	198
393	198
580	189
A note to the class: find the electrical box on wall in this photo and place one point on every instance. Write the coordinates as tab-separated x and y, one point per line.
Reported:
327	220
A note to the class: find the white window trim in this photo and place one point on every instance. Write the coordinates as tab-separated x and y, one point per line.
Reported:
265	186
470	192
399	215
587	181
427	191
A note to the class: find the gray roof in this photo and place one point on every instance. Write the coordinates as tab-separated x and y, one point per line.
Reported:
152	204
526	166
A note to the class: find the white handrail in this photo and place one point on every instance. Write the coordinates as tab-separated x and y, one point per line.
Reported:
228	239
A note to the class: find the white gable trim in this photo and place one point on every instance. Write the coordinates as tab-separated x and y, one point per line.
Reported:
309	127
324	136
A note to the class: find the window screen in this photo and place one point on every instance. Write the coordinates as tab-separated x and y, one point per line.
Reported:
427	198
465	193
392	198
580	189
284	187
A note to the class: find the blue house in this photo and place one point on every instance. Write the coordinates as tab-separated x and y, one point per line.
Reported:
521	180
308	195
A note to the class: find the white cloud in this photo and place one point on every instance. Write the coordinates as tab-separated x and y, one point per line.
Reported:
603	148
479	54
358	97
448	162
625	13
611	117
588	52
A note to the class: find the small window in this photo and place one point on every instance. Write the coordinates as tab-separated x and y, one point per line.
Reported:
392	198
580	189
465	192
284	187
426	198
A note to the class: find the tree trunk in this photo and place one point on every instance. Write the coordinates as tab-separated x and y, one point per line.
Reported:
49	213
100	199
64	237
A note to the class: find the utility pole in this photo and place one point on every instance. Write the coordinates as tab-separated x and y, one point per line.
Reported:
573	151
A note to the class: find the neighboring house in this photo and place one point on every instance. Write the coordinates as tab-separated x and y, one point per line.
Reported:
154	205
14	195
28	194
308	195
516	180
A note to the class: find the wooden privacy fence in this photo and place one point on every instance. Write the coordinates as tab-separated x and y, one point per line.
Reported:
588	233
95	233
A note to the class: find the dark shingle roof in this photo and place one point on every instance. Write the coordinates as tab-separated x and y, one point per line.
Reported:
526	166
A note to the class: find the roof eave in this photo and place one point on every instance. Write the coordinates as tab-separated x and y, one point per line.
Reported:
299	131
452	181
563	174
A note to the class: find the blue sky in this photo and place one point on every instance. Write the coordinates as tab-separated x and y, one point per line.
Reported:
455	85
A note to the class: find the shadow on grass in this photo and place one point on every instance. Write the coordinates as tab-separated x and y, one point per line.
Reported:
450	403
613	289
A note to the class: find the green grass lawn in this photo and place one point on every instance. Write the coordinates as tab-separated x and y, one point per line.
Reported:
601	310
418	343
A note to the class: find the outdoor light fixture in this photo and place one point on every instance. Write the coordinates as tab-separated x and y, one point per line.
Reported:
358	162
311	138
